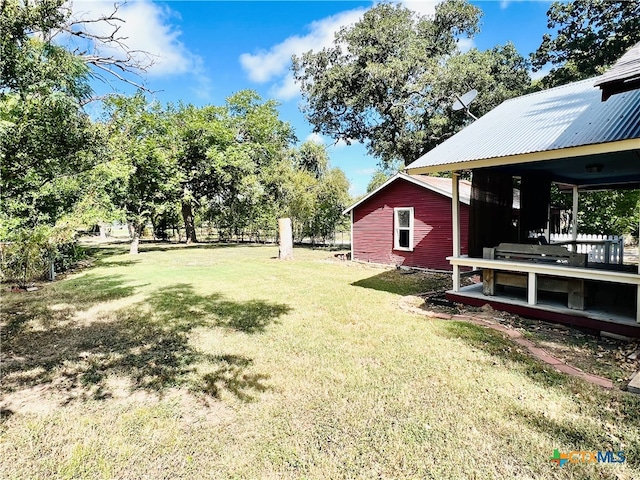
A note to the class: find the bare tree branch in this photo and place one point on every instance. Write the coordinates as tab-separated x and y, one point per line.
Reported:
107	52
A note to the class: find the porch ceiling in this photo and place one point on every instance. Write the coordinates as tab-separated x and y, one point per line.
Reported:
597	170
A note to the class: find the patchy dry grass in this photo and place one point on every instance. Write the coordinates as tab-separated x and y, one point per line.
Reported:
221	362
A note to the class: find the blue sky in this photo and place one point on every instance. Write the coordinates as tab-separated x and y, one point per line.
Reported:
206	50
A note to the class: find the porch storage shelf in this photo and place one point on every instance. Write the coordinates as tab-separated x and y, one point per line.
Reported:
533	269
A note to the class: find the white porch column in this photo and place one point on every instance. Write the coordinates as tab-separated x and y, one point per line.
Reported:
455	216
574	217
351	240
532	289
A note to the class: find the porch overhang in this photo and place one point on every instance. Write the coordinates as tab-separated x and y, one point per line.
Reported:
565	134
610	164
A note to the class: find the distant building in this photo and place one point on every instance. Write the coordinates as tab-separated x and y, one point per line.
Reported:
407	222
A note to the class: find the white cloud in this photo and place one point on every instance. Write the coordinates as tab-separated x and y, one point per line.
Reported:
465	44
273	64
315	137
286	89
423	7
267	65
148	30
365	171
540	73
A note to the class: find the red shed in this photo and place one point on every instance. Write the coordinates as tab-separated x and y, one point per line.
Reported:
407	221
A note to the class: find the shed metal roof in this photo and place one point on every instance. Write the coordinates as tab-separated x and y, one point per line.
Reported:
552	124
440	185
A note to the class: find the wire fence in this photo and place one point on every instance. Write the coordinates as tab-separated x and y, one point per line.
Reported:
339	238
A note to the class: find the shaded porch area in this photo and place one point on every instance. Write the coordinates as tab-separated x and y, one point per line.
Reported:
613	309
565	136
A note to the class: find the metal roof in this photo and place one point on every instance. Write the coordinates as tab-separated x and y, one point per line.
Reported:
623	76
551	120
441	185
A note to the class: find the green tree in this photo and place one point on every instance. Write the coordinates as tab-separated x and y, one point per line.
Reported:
246	173
317	194
588	36
48	144
313	158
389	80
196	132
609	212
45	142
140	145
332	198
378	178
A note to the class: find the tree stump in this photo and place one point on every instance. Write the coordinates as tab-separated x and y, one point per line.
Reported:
286	239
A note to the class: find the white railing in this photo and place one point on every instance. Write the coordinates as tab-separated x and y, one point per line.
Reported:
599	248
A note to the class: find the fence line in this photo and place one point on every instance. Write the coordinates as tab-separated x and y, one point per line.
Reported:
599	248
338	239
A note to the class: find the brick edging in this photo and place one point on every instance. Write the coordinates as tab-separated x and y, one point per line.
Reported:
517	337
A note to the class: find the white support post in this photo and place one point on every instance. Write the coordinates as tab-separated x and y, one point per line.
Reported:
547	230
351	240
638	305
456	278
574	217
455	216
532	289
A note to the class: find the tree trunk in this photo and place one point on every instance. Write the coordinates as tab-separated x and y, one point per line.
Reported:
286	239
189	223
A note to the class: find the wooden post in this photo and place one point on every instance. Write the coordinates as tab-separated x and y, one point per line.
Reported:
455	216
52	269
103	230
286	239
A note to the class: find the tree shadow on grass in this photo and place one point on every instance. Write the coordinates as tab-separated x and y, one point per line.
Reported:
580	435
496	345
229	373
147	345
109	263
157	246
406	282
58	302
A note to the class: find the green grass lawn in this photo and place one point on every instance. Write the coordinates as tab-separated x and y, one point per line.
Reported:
223	362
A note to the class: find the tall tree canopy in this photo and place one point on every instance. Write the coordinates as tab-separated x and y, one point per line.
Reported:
46	138
140	146
316	193
587	37
388	81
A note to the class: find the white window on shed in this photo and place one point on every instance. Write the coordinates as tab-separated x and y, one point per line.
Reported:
403	228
